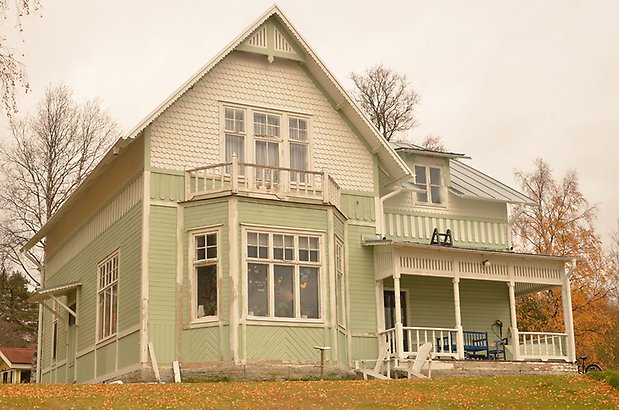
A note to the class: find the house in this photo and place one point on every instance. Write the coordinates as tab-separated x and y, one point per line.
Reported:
257	215
15	364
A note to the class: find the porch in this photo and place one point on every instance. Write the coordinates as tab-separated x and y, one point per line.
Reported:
263	181
463	301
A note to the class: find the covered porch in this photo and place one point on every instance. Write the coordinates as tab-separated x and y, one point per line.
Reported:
463	301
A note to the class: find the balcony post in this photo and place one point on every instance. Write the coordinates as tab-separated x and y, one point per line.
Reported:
514	321
399	333
566	297
325	186
460	336
235	174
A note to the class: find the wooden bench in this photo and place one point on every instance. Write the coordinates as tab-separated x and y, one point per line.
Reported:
474	343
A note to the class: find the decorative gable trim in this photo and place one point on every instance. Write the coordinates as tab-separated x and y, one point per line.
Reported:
259	39
281	44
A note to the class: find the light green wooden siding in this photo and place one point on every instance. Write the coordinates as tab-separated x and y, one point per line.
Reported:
362	283
162	282
124	235
364	347
106	359
342	349
288	343
167	186
358	206
85	367
277	214
483	302
128	350
431	300
205	344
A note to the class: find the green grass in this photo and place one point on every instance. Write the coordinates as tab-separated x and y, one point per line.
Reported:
538	392
609	376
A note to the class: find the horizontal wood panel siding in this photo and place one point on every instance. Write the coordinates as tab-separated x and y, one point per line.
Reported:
358	207
167	187
125	235
129	350
431	301
85	367
188	134
482	303
274	213
162	282
288	343
417	227
362	282
207	214
203	344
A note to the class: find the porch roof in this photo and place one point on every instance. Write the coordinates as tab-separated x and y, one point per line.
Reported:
467	250
44	294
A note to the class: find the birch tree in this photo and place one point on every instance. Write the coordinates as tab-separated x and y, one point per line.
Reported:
51	153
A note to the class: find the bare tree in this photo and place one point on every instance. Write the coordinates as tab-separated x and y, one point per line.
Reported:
388	98
52	152
434	142
12	71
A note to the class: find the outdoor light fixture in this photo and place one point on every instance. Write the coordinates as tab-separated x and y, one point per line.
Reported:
486	263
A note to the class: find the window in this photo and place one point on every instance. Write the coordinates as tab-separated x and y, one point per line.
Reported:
107	297
283	273
297	133
266	125
55	337
429	181
206	254
340	288
234	134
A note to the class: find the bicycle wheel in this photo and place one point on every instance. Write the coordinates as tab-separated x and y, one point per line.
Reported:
593	367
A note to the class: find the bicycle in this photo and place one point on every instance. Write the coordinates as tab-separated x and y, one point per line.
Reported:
589	368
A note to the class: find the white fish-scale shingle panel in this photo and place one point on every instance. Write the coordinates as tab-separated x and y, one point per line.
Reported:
187	134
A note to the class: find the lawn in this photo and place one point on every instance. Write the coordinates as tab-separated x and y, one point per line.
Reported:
479	392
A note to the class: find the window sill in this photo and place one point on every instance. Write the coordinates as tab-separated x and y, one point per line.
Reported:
270	321
204	322
107	340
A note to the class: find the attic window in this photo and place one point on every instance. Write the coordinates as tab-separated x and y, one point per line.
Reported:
429	180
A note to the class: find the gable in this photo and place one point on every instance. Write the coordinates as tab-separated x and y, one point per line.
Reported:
272	40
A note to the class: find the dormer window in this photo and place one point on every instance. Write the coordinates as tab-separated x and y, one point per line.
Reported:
430	182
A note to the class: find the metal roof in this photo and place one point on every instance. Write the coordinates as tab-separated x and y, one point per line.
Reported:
416	149
467	182
60	290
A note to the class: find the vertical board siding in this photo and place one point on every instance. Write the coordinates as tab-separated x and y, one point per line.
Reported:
362	282
106	359
85	367
289	343
162	282
364	348
342	349
187	134
358	207
167	187
128	350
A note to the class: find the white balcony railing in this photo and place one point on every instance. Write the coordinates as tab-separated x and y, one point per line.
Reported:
542	346
282	182
444	341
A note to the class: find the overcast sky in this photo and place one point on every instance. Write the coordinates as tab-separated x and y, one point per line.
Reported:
502	81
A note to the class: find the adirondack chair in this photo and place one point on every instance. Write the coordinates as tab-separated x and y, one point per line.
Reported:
383	359
424	354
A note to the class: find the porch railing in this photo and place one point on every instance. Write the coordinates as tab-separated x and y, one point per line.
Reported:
282	182
542	346
444	341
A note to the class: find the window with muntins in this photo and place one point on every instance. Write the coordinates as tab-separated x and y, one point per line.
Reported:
429	181
340	286
283	275
206	259
234	134
107	297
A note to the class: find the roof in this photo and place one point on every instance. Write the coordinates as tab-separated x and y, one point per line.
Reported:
416	149
496	252
392	163
467	182
60	290
16	355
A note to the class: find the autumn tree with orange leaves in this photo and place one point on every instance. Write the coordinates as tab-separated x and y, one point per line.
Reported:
562	224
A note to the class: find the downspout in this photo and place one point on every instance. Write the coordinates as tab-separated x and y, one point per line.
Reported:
510	223
41	268
380	216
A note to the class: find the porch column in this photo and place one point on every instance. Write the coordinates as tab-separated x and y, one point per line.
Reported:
566	297
514	323
460	337
399	335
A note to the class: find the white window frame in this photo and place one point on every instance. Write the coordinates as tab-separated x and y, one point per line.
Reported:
113	283
270	261
284	140
340	283
196	263
54	335
428	186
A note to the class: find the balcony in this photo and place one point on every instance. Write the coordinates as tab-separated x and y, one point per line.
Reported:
261	181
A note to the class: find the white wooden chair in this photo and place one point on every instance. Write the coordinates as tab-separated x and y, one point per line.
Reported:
424	354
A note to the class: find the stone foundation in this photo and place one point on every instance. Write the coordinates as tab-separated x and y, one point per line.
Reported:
445	368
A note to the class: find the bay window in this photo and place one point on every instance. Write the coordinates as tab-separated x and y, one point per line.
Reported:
283	275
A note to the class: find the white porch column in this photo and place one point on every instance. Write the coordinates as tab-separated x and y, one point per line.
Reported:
460	341
399	335
514	322
566	297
